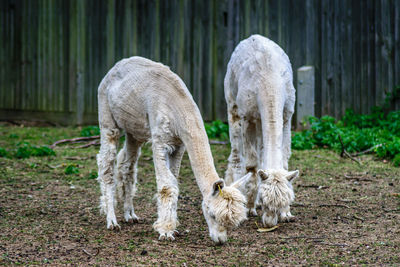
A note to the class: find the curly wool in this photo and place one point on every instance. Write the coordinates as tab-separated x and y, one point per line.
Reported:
276	192
229	207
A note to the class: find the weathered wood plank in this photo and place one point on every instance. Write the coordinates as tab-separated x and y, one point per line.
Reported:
396	63
54	46
346	52
356	55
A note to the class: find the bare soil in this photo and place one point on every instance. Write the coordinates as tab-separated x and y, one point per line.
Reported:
347	214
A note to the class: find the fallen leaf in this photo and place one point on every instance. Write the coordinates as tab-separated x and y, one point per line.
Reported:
263	230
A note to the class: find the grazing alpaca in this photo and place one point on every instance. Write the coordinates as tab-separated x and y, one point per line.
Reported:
149	102
260	96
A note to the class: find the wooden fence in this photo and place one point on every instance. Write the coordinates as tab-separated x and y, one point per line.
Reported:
54	53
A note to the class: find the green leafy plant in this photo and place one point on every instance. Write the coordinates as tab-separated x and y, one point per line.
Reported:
217	130
90	131
92	175
3	152
359	132
396	160
13	136
71	169
26	150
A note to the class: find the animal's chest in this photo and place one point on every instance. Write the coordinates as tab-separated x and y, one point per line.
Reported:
246	101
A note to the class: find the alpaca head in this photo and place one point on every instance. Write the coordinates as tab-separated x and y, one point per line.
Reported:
224	208
275	194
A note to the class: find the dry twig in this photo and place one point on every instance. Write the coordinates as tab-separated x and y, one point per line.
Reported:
304	237
216	142
366	151
334	205
76	158
313	186
86	138
356	178
93	143
344	152
90	254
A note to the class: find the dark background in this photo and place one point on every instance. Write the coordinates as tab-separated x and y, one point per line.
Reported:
54	53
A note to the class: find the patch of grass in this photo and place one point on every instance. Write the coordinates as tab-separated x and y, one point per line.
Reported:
92	175
90	131
26	150
71	169
3	152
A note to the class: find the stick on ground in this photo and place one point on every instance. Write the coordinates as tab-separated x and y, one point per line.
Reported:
86	138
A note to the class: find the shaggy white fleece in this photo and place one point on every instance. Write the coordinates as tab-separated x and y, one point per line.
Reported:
151	103
260	97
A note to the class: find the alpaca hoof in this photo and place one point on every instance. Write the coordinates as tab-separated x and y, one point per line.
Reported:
112	223
253	213
220	239
115	227
169	236
131	218
288	219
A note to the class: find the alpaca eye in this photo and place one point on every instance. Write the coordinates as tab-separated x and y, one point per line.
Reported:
212	216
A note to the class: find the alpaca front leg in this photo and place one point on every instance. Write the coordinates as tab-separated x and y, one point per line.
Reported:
105	162
126	176
286	138
167	195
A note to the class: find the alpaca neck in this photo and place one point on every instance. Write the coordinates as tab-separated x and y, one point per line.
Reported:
196	142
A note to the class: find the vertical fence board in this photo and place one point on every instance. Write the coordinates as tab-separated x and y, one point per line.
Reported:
396	63
57	52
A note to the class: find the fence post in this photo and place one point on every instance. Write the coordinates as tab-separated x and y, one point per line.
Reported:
305	94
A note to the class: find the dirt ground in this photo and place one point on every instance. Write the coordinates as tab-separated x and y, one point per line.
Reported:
346	214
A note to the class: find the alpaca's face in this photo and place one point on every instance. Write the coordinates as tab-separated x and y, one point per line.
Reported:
275	194
223	209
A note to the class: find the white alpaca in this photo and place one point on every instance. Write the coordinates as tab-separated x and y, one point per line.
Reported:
150	102
260	96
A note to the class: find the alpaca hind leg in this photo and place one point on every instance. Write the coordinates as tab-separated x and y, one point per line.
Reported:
250	162
234	170
126	176
105	160
167	194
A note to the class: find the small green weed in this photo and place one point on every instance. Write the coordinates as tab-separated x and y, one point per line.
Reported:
92	175
217	130
25	150
90	131
13	136
71	169
396	160
3	152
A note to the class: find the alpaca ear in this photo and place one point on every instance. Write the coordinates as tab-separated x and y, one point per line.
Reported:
292	176
217	186
241	183
263	174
